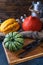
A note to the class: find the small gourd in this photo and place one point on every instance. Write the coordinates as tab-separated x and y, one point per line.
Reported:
13	41
9	25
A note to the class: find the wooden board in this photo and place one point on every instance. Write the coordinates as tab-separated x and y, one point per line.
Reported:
12	57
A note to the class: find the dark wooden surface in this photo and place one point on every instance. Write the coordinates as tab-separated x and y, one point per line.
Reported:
14	8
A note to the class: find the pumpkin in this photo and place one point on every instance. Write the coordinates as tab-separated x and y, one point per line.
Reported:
13	41
32	23
9	25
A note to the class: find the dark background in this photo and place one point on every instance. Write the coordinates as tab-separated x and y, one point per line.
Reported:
14	8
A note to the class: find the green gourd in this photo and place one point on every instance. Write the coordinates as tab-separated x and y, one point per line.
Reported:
14	41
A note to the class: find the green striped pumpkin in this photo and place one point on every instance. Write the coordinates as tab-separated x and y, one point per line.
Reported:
13	41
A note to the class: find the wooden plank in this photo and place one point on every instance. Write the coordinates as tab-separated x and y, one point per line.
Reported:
14	8
13	58
2	0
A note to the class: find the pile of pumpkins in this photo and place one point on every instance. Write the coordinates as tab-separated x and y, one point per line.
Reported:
14	40
29	24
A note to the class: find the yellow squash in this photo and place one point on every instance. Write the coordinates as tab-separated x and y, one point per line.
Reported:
9	25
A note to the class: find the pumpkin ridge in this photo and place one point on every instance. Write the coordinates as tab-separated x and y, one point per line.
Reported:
11	20
19	42
17	39
18	46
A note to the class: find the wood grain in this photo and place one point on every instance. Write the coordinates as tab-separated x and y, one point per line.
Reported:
13	58
14	8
